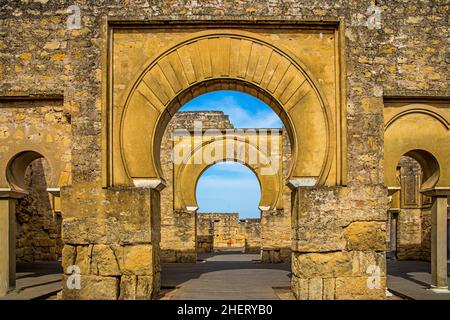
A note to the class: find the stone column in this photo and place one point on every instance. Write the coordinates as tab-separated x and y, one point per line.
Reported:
275	235
111	239
439	281
7	245
180	236
335	253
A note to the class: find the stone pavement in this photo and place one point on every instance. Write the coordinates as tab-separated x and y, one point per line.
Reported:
38	280
411	280
224	276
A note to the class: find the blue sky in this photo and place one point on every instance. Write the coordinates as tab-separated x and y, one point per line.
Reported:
244	110
230	186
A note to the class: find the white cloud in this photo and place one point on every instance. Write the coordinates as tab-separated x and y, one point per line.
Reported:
241	115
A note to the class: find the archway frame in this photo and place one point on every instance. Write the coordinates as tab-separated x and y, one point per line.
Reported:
427	144
123	164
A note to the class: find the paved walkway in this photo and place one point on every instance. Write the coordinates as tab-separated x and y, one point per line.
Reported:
411	280
38	280
224	276
227	275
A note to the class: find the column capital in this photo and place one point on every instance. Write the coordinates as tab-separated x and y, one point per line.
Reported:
436	192
392	190
8	193
157	184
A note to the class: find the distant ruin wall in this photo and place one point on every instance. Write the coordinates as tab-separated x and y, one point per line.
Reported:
220	231
414	217
38	229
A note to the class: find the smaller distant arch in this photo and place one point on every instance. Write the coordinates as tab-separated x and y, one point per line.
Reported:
430	167
17	166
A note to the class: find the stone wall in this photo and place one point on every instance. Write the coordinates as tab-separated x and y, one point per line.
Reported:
38	227
221	231
117	251
205	234
338	243
337	232
251	229
414	217
41	125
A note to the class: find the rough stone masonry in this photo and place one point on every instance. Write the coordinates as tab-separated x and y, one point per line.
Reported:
112	233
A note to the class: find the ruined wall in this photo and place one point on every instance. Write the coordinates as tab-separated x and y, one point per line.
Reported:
251	229
219	231
414	217
178	227
226	230
38	227
205	234
338	232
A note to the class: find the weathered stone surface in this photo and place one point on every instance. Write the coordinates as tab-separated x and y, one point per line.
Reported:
104	261
216	231
124	217
205	243
300	287
179	256
38	227
137	287
93	288
314	288
83	259
404	54
225	227
410	218
324	265
329	288
357	288
41	127
137	260
366	236
178	227
275	225
68	256
251	228
333	264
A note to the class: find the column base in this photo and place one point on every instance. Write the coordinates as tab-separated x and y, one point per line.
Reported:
439	289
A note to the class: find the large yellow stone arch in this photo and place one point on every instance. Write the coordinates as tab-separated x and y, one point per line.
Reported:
213	60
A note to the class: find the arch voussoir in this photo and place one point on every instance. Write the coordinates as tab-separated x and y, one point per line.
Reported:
230	60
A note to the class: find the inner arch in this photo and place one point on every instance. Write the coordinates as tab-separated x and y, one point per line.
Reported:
222	84
229	187
17	166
